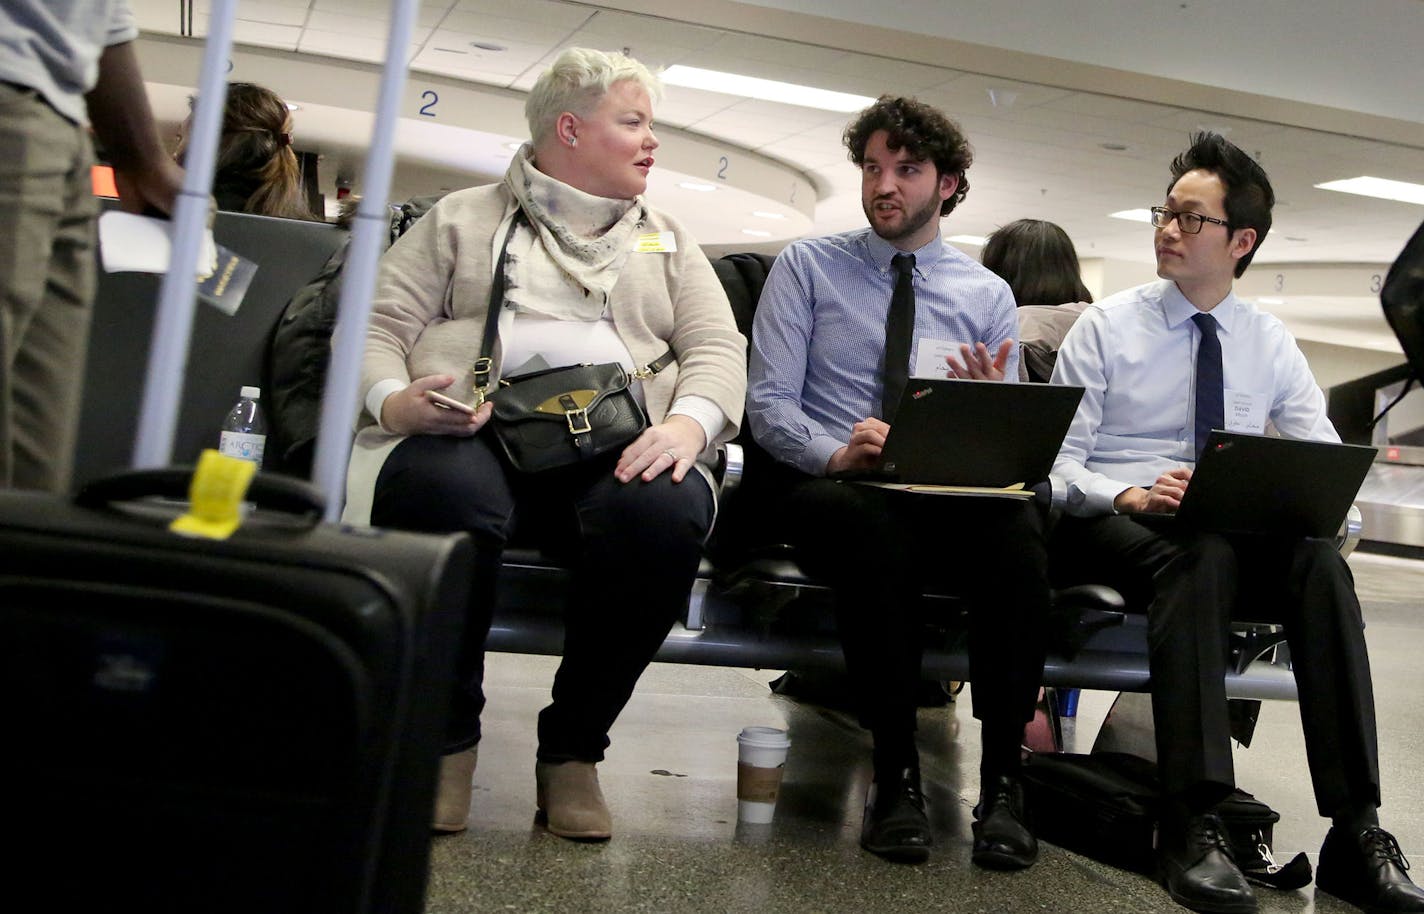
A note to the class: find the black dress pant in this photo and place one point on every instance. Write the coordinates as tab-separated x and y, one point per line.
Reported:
633	550
1193	585
880	550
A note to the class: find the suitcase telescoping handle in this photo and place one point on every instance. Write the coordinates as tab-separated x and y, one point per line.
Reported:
358	280
173	325
173	320
293	497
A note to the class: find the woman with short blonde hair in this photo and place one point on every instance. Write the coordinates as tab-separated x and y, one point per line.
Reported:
578	78
591	274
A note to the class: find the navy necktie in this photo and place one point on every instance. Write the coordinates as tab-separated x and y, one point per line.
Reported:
1211	410
899	335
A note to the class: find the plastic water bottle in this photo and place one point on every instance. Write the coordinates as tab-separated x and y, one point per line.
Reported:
244	431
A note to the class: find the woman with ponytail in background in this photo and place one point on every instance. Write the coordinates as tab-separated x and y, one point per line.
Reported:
257	170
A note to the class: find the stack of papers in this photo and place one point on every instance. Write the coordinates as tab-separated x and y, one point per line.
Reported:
130	243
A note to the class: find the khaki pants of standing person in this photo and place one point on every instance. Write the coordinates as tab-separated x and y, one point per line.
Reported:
46	288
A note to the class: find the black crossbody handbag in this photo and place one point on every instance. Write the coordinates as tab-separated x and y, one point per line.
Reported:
558	416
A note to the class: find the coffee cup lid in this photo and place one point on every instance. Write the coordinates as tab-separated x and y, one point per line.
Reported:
767	737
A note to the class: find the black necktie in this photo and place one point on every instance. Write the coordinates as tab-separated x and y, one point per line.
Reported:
1211	410
899	335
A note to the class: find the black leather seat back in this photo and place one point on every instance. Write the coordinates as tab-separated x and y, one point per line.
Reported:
224	354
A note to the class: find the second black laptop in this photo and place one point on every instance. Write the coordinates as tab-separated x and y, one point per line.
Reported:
1263	484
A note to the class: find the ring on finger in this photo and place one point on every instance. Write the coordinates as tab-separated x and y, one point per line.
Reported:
670	453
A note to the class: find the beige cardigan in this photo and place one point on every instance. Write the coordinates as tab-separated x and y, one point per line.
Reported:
432	295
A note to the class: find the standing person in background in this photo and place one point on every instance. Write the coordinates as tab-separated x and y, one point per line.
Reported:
256	172
64	65
1037	260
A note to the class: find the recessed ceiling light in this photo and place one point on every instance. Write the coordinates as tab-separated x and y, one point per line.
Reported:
757	232
1114	147
293	106
1002	98
978	240
488	46
762	214
1383	188
694	185
770	90
514	146
1133	215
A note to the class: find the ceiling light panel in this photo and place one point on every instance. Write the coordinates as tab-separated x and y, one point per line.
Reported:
766	89
1381	188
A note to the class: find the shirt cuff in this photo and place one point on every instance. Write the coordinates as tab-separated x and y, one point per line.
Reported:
376	397
817	454
706	414
1101	493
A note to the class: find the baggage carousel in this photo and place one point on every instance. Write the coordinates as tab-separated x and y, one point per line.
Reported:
1391	504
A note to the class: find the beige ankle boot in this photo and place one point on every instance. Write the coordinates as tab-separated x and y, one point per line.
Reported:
571	802
452	793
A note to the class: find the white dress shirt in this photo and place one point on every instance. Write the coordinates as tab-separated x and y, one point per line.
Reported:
1135	354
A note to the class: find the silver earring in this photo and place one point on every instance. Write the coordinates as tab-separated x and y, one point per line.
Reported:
573	141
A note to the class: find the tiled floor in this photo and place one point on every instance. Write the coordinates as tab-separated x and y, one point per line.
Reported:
670	781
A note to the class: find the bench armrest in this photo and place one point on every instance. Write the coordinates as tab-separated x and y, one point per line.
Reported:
731	464
1350	531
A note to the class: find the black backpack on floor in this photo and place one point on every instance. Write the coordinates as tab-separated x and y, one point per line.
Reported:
1106	806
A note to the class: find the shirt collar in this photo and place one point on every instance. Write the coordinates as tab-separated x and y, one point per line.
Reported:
1179	310
881	252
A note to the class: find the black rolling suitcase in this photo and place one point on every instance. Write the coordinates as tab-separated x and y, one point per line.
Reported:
250	724
247	725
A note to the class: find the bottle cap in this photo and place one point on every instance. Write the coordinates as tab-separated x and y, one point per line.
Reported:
252	393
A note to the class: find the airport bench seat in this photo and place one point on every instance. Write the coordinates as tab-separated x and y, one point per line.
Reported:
763	612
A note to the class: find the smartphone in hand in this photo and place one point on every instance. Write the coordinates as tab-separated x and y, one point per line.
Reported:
444	402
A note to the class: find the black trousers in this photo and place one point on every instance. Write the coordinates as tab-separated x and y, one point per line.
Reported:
633	551
880	550
1193	585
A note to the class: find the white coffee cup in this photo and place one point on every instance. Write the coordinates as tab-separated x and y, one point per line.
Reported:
761	760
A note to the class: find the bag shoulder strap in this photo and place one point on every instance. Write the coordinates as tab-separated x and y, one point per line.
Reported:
484	365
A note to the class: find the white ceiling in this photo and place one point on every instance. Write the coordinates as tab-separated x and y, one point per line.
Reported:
1041	151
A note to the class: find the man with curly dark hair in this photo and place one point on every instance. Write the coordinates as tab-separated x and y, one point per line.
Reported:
842	323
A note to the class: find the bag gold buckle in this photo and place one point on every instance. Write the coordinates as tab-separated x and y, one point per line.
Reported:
481	370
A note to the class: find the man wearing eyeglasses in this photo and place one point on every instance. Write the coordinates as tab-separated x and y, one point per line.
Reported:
1161	364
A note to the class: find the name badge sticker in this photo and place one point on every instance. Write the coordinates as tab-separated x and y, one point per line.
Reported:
1245	411
929	357
655	243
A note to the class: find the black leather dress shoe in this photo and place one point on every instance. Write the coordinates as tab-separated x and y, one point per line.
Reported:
1001	839
1197	869
1367	870
895	825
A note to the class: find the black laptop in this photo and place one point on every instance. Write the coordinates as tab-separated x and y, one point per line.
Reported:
980	434
1280	486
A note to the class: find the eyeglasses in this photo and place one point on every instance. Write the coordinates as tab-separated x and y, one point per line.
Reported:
1190	223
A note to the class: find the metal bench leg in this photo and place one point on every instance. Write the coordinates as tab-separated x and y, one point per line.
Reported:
1045	732
697	605
1128	727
